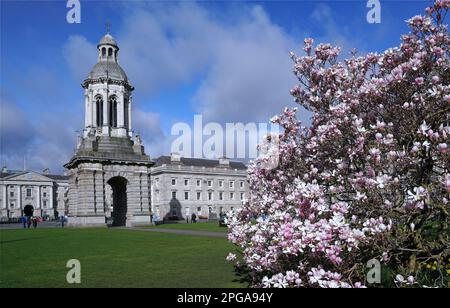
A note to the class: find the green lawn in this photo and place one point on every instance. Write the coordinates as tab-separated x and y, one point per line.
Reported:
199	226
113	258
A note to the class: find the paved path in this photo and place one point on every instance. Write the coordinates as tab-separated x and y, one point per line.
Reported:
178	231
52	224
43	225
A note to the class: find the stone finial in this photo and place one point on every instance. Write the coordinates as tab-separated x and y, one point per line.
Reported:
224	161
138	140
175	157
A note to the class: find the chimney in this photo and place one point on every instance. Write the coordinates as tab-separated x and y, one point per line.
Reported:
224	161
46	171
175	157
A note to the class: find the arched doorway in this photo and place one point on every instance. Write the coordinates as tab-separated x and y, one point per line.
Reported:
28	210
119	201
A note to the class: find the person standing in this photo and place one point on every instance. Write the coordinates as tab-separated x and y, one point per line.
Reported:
35	222
193	218
23	219
29	221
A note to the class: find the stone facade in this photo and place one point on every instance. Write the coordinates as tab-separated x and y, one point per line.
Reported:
183	186
109	173
46	194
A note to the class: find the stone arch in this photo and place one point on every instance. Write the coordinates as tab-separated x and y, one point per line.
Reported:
28	210
118	185
113	103
99	110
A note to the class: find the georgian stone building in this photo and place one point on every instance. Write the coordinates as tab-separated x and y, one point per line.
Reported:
43	194
182	186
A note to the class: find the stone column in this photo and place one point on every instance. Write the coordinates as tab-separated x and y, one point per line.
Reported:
105	129
120	113
87	111
99	192
137	199
94	111
19	196
72	195
134	203
145	194
151	193
105	109
86	202
86	211
91	108
129	113
51	197
38	197
5	196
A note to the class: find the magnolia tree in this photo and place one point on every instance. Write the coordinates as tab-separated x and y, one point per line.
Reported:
365	187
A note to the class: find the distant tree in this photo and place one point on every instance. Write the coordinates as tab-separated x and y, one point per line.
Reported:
368	180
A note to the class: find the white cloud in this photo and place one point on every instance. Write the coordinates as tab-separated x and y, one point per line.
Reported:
245	63
40	145
332	32
80	54
251	74
239	59
148	124
16	133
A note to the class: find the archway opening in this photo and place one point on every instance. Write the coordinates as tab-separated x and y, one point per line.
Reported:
28	210
119	201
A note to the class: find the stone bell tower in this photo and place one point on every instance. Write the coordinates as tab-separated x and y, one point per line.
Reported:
109	173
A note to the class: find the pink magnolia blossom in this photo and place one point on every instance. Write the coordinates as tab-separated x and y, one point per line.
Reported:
365	178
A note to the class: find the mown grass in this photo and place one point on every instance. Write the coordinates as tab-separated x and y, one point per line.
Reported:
113	258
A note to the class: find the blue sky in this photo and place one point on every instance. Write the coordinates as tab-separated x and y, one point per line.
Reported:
226	60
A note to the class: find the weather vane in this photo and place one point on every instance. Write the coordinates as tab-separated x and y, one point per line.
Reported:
108	26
